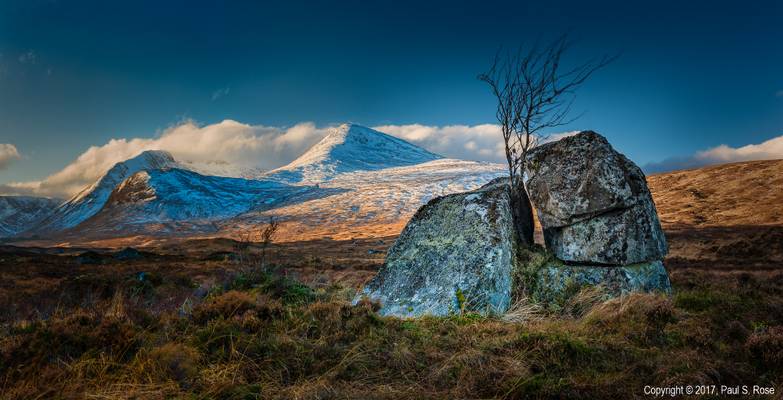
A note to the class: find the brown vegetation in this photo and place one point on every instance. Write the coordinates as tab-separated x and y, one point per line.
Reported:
189	320
723	216
198	325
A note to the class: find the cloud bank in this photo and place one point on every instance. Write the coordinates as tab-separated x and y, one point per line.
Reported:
252	147
243	145
8	154
477	142
771	149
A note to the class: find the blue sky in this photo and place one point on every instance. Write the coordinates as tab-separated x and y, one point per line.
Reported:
75	74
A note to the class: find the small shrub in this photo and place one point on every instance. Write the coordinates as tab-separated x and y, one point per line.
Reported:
290	292
248	279
227	305
178	361
766	347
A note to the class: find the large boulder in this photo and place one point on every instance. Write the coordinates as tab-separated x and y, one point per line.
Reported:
593	203
458	253
556	282
579	177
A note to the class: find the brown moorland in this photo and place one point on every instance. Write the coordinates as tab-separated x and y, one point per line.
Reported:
204	319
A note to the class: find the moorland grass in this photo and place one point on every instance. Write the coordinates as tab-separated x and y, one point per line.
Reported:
265	336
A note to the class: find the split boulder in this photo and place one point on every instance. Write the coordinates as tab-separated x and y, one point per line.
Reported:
593	203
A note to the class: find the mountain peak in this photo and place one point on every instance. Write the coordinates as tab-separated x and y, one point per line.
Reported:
154	159
90	200
351	147
146	160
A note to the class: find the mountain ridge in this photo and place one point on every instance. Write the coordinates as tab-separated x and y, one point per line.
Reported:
17	213
90	200
153	191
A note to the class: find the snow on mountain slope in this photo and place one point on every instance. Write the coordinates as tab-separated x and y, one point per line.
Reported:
374	203
90	200
148	200
356	182
18	213
349	148
222	168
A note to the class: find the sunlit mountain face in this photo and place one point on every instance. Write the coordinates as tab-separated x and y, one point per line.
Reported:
355	182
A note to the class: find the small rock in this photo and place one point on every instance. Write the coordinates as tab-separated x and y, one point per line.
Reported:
201	292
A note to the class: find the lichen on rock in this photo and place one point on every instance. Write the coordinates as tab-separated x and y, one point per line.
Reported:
555	282
457	254
593	203
620	237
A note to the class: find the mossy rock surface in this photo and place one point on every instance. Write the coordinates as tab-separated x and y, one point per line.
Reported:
593	203
555	282
457	254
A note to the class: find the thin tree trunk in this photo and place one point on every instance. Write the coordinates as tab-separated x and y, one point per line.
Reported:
522	212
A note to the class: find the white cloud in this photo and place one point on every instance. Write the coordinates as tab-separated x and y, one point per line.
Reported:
228	141
477	142
771	149
252	146
8	153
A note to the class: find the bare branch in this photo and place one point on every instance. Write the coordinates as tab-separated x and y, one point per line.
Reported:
533	95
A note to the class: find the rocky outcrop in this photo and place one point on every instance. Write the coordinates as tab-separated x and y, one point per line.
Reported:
469	251
457	253
593	203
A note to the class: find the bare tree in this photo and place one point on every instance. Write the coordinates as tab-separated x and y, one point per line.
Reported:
534	94
265	236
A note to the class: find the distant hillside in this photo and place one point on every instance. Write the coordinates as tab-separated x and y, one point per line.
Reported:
744	193
90	200
723	216
18	213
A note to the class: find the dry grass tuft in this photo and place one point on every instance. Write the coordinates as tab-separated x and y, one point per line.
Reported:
522	311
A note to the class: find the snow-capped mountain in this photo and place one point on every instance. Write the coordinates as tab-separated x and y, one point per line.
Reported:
18	213
349	148
90	200
179	201
356	182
